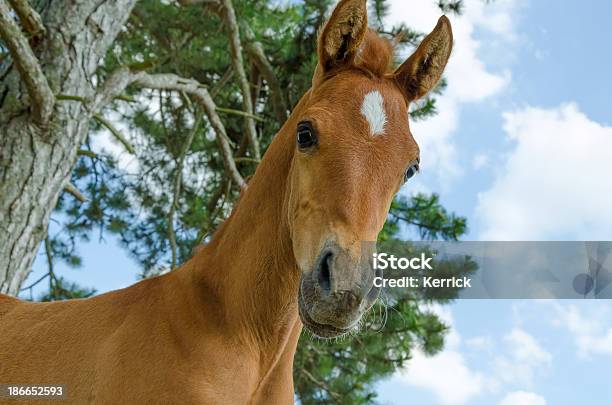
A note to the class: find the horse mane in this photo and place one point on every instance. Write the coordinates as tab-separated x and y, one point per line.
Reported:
375	55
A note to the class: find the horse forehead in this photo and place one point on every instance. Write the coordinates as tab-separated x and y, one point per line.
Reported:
374	105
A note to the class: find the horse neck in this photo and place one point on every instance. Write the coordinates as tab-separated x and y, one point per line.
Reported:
249	264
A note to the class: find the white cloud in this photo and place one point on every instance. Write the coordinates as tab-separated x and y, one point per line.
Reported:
524	359
446	374
523	398
588	328
525	348
457	375
479	161
469	80
481	343
554	181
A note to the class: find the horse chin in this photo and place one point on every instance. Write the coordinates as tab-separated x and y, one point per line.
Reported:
321	330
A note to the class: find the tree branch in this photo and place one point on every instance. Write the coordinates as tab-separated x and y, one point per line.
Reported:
240	113
88	153
178	178
196	2
112	87
71	189
29	18
39	92
35	283
52	278
105	123
200	94
222	82
123	77
321	384
257	54
228	14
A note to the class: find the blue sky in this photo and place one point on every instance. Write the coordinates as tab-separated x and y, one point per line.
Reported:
521	146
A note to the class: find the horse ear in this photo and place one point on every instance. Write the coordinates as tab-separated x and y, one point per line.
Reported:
341	36
423	69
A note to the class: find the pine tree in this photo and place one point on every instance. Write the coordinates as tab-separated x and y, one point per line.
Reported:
180	188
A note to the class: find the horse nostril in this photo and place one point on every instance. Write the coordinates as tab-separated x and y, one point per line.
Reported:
325	272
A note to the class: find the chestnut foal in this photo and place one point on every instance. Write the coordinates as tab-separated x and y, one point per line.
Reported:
223	328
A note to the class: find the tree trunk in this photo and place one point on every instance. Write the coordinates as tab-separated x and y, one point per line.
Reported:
35	163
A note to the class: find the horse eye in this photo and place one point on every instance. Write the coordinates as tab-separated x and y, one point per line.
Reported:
306	135
411	171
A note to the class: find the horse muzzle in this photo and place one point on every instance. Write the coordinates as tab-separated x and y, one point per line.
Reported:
336	293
